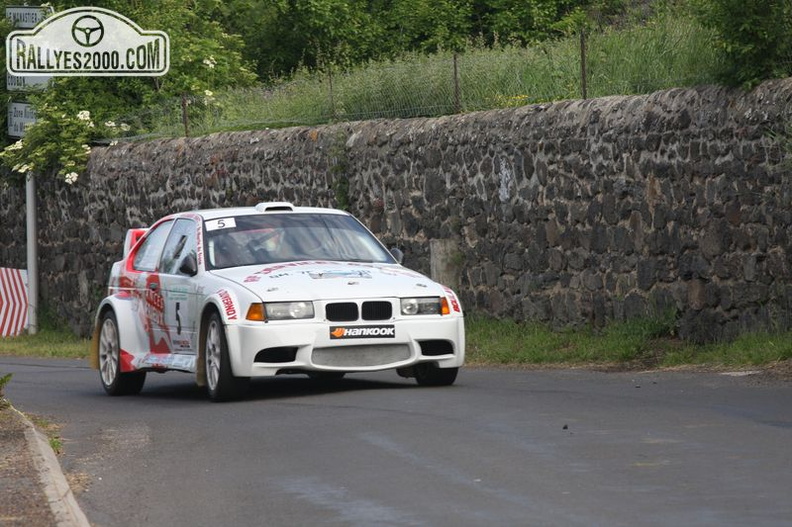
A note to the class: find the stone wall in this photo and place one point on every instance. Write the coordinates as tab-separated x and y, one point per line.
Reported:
572	213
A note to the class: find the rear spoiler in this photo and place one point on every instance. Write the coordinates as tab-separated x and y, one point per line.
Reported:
132	237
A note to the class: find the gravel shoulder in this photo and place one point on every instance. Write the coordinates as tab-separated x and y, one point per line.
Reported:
23	500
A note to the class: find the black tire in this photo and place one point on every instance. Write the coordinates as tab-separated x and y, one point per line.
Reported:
221	384
428	374
113	380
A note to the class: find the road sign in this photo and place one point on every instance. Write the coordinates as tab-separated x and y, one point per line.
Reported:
26	82
20	116
27	17
13	302
85	42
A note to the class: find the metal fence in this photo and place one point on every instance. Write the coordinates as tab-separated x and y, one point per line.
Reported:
639	60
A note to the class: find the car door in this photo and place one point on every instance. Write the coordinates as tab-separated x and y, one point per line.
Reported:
178	288
148	295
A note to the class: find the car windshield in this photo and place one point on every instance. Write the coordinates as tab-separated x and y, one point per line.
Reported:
270	238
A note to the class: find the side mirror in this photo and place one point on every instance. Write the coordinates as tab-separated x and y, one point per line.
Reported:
189	265
398	254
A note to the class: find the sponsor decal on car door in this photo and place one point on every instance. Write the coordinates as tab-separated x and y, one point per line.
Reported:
148	290
154	303
178	286
180	313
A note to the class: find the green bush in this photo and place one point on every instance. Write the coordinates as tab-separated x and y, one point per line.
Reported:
755	37
3	381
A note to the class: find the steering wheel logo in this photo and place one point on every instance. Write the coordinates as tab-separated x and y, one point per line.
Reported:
87	31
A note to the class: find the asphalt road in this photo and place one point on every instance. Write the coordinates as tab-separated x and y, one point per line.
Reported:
499	448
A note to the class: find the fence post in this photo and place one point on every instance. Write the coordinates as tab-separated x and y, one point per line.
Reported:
333	115
185	115
583	80
457	101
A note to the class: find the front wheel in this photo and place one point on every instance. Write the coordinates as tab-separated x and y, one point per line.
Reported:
428	374
221	383
114	381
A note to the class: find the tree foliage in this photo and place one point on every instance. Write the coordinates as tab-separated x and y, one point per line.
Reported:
430	25
204	57
756	37
283	35
219	44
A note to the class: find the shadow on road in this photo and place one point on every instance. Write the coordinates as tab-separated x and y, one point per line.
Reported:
175	389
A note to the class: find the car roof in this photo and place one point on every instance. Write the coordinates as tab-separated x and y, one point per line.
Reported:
278	207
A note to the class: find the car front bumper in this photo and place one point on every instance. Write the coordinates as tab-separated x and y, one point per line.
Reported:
267	349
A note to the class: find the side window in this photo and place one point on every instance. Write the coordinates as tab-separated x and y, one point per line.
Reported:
148	255
180	243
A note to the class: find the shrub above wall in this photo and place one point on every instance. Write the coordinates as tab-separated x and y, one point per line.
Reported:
574	213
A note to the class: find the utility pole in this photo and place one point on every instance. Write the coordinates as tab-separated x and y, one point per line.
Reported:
32	254
583	73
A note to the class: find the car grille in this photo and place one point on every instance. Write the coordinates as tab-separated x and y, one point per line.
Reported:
361	356
341	312
349	311
377	310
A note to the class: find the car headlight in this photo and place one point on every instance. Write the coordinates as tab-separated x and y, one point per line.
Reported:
433	305
288	310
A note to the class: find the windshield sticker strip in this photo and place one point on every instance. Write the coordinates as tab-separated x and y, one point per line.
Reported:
321	275
222	223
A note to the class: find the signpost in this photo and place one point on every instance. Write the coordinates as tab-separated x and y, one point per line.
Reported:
26	17
20	115
70	43
26	82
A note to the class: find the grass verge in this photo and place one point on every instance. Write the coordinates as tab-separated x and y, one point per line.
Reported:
48	342
641	343
635	344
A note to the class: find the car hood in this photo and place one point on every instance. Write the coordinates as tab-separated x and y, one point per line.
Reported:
315	280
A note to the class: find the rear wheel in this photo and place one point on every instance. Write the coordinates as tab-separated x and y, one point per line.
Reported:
114	381
428	374
221	383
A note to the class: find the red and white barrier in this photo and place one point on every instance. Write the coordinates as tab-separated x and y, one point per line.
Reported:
13	301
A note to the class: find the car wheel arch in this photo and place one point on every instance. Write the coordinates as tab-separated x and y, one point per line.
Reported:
109	357
214	360
97	328
200	367
126	339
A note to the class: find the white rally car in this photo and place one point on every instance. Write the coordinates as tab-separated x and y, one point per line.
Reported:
231	294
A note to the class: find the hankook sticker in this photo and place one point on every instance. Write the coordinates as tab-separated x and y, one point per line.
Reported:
363	332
